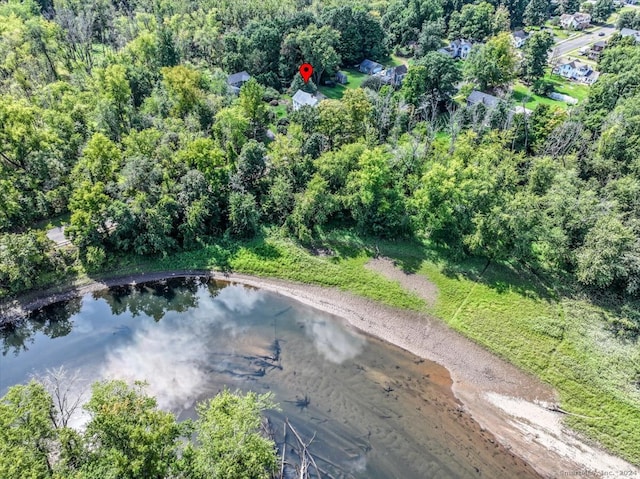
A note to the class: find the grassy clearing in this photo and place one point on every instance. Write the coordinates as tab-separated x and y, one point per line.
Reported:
522	93
394	61
561	85
53	222
556	30
355	79
278	257
280	111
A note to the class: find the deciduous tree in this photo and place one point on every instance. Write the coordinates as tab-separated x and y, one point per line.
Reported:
493	64
536	13
535	53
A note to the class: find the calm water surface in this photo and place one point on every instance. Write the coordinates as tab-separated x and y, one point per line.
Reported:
378	411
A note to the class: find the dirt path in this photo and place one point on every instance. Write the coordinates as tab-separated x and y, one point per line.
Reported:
412	282
501	398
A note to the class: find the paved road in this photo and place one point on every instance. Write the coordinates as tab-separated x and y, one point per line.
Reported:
561	49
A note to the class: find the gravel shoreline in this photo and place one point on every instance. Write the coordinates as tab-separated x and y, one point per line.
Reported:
511	404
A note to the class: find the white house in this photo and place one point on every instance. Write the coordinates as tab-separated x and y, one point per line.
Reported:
462	48
519	38
571	70
628	32
458	48
577	71
577	21
302	98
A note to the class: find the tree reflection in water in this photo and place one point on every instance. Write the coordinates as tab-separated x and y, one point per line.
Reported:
153	299
53	321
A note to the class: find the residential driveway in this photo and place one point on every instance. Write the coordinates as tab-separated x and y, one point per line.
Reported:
562	48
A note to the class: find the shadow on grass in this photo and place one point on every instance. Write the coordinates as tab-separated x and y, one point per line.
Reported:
263	250
620	314
502	278
521	97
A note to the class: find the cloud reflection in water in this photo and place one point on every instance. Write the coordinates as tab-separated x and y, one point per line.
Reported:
335	342
171	355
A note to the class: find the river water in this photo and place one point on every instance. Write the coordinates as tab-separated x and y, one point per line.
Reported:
376	411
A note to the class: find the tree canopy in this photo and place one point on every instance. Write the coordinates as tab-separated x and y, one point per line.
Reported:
128	437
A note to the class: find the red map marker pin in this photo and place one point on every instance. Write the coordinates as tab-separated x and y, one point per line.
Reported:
306	70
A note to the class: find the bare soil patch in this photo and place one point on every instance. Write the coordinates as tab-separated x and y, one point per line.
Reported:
410	281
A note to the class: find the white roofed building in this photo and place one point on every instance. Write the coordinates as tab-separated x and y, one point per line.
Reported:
302	98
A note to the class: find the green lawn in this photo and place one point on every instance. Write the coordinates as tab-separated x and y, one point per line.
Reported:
556	30
561	85
280	110
613	18
522	93
275	256
53	222
394	61
578	91
355	80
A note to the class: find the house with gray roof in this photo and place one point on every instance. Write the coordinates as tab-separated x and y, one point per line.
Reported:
370	67
628	32
459	48
393	76
577	21
596	49
480	98
302	98
236	81
519	38
491	102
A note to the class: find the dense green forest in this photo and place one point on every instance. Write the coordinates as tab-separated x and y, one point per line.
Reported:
116	119
118	115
